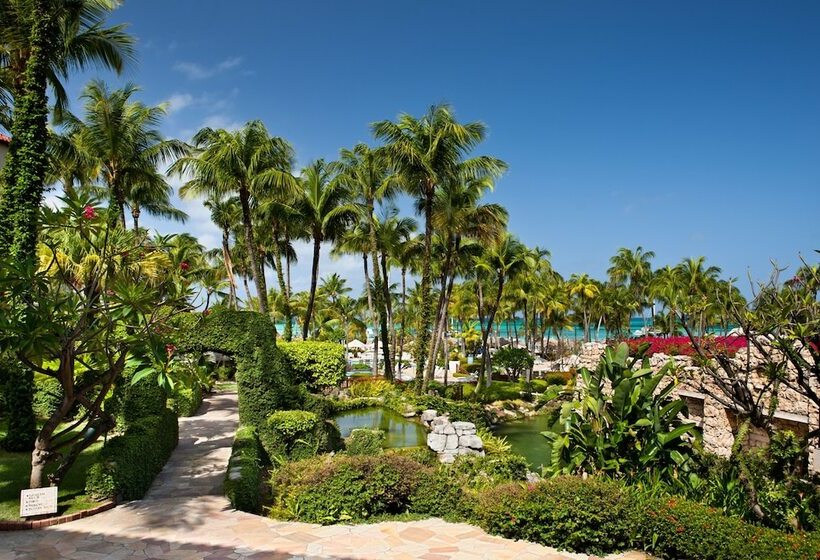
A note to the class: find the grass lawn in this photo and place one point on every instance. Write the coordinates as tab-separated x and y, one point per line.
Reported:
14	474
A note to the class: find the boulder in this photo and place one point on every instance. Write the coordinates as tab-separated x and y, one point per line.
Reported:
471	442
428	416
452	442
436	442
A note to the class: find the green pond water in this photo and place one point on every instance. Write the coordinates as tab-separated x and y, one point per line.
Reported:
524	436
398	430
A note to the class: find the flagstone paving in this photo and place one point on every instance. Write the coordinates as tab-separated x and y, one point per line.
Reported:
185	517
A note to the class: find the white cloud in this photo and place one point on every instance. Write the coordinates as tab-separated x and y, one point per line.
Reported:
179	101
196	71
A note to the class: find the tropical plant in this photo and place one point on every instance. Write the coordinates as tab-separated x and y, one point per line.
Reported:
515	361
623	423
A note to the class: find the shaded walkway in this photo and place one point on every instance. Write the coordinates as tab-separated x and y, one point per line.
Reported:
185	517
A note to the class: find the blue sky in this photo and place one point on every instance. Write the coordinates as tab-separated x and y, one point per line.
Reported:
690	128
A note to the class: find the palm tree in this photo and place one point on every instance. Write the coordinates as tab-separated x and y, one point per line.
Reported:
120	138
334	287
584	289
634	270
225	214
698	282
324	204
427	153
501	262
366	174
77	36
245	163
666	287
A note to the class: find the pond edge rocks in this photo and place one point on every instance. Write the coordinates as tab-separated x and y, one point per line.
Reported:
450	439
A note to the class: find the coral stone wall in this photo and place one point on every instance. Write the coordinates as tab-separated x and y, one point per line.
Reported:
719	424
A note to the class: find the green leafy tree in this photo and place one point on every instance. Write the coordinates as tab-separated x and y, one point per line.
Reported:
515	361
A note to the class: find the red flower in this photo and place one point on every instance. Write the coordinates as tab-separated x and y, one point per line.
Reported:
89	213
170	349
184	266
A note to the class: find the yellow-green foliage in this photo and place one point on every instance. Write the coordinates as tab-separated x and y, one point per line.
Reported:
493	444
370	388
314	363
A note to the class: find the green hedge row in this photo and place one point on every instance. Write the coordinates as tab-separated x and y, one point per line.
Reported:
130	461
314	363
595	516
244	477
298	434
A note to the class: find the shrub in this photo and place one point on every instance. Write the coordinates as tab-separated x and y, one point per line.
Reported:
500	391
317	364
493	444
437	494
556	378
48	395
244	477
422	455
297	434
677	528
345	488
566	513
369	387
364	442
185	401
480	472
132	402
129	462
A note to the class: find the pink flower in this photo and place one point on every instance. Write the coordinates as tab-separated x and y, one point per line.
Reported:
89	213
183	266
170	349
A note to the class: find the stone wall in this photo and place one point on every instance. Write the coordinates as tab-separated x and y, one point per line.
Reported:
719	424
449	439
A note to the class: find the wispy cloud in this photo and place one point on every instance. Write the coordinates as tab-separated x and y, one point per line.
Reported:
196	71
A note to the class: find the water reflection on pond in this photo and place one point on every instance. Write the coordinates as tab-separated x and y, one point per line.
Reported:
524	436
399	431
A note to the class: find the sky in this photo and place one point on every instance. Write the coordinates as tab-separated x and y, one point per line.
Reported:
687	128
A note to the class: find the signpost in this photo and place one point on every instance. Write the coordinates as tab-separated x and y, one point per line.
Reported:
38	501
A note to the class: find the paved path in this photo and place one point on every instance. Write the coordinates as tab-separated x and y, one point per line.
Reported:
185	517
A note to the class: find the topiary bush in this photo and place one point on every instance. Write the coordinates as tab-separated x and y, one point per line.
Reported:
364	442
317	364
297	434
130	461
243	479
185	401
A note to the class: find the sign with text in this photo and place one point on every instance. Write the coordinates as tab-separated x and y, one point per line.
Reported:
38	501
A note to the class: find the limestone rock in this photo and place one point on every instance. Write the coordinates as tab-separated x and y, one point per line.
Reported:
452	442
472	442
436	442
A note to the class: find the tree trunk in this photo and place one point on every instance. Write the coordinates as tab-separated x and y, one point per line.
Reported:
247	291
280	276
375	362
425	317
226	256
385	317
314	275
444	300
403	315
135	214
257	268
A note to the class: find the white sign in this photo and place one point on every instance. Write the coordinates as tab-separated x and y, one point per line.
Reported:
38	501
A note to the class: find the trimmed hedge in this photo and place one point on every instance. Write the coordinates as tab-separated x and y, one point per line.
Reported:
244	477
298	434
130	461
185	401
314	363
48	395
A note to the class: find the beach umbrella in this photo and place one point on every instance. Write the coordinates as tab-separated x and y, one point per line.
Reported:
357	344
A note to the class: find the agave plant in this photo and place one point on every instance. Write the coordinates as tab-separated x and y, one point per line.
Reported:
623	422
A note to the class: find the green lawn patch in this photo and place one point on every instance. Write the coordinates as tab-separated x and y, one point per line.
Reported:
14	475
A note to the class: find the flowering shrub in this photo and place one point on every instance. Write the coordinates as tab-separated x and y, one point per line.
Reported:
682	346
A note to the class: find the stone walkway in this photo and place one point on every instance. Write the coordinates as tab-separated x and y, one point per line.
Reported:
185	517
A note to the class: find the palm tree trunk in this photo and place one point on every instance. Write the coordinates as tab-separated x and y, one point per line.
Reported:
247	291
314	276
280	276
372	312
426	315
257	268
226	256
403	314
135	214
486	360
386	320
444	300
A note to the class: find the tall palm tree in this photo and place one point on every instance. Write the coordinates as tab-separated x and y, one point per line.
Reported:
366	174
633	269
584	289
501	263
698	282
121	139
225	214
245	163
325	207
78	39
427	153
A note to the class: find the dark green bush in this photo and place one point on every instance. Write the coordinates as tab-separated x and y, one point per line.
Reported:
500	391
130	461
515	361
423	455
297	434
566	513
557	378
48	395
317	364
18	395
364	442
437	494
344	488
244	477
478	471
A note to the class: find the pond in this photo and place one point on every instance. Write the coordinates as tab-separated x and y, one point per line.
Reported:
398	430
524	436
